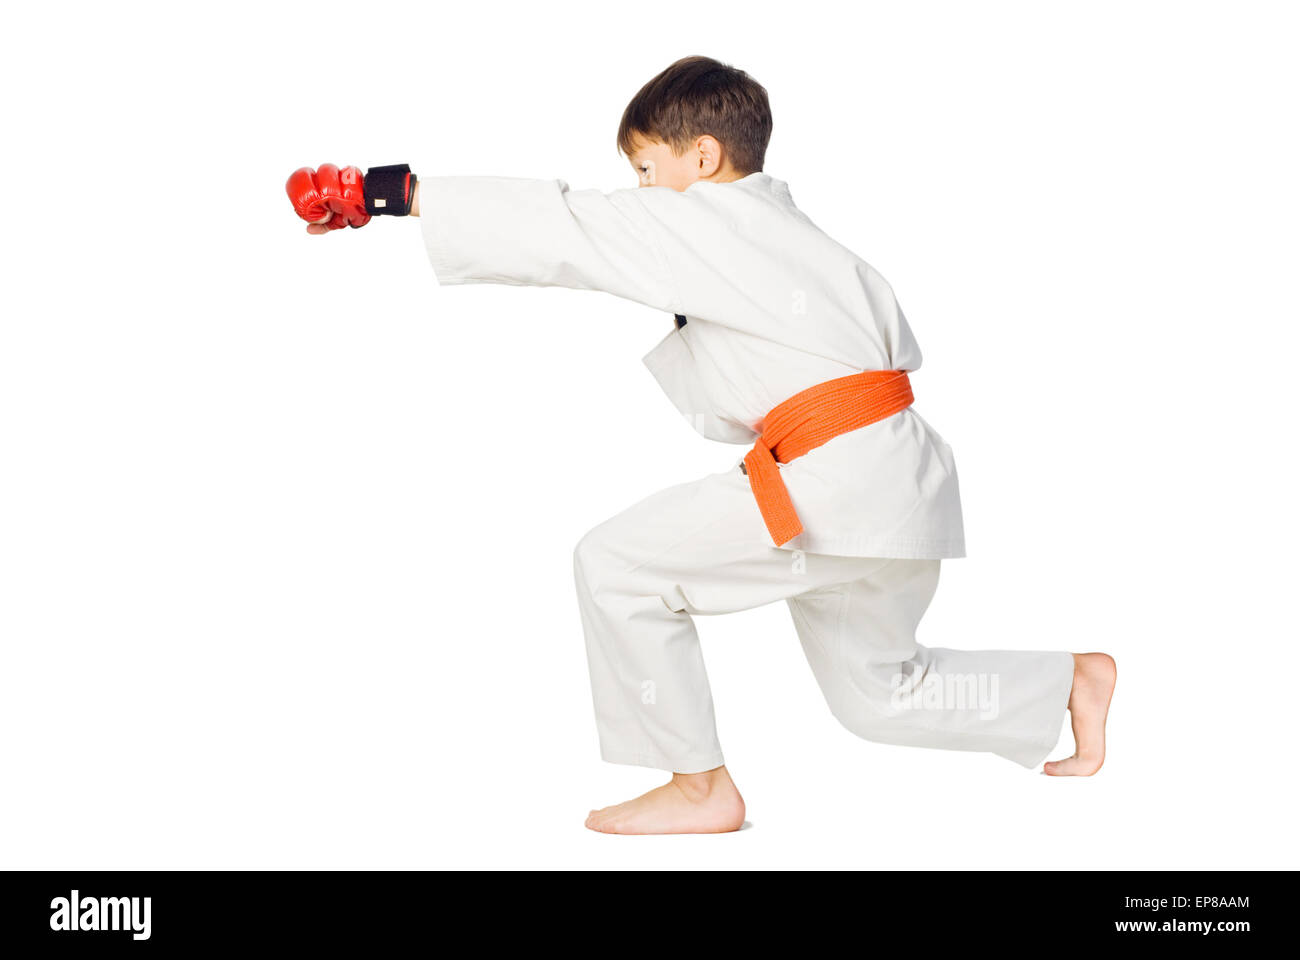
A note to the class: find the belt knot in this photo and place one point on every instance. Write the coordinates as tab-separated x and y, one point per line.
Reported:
806	421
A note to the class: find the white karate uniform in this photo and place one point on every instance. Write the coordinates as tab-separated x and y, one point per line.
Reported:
771	306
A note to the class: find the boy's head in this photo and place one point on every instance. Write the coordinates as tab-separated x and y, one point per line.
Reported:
698	120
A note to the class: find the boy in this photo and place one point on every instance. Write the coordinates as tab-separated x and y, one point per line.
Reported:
844	507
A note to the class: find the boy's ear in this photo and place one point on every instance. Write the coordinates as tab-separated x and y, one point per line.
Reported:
710	154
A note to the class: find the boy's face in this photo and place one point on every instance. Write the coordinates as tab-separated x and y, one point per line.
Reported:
657	166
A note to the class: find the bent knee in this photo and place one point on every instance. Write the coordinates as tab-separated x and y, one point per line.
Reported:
862	721
593	560
603	571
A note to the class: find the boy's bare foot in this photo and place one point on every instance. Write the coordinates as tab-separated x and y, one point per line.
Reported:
1094	682
689	803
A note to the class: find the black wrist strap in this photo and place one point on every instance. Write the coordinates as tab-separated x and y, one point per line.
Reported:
389	190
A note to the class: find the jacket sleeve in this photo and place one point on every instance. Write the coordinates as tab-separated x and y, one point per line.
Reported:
541	233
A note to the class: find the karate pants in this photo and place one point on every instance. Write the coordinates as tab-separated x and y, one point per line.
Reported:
701	548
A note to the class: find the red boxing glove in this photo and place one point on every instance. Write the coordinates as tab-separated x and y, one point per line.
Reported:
329	192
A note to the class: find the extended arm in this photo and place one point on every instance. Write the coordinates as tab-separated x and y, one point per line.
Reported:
504	230
540	233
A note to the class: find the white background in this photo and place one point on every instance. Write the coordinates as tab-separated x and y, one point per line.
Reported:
286	529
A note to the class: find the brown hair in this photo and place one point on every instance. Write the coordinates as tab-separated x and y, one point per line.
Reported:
697	96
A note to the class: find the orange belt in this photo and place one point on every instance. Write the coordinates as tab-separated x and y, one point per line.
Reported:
806	421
